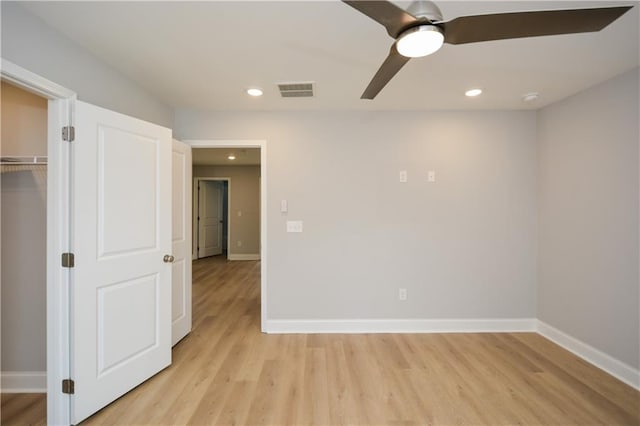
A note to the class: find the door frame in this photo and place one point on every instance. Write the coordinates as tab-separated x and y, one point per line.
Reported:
60	113
250	143
196	205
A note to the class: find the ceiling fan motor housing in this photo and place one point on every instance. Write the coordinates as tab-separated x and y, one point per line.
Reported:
425	9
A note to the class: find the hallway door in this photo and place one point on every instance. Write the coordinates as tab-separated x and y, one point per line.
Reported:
181	241
210	220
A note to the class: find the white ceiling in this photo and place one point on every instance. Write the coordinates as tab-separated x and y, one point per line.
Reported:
219	156
203	55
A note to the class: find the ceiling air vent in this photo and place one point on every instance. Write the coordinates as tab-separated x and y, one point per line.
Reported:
296	90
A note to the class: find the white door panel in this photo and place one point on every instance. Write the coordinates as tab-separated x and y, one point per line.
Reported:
181	241
120	292
128	185
210	214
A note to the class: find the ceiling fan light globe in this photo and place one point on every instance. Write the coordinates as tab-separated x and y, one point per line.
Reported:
420	41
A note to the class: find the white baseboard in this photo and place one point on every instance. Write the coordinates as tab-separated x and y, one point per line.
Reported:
616	368
243	256
401	326
23	381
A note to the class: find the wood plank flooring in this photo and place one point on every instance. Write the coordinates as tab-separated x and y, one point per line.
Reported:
23	409
228	373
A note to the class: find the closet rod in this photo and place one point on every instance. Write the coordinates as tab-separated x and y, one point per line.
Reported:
24	161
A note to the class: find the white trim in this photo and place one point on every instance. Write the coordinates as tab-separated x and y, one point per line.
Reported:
58	278
24	381
353	326
34	83
262	144
227	143
60	113
613	366
255	256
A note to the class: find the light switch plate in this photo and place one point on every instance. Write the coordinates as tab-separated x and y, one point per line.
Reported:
294	226
431	176
402	294
403	176
284	206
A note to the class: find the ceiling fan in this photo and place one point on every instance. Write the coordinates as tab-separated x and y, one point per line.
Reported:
420	30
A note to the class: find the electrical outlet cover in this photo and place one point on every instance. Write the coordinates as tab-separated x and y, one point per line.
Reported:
294	226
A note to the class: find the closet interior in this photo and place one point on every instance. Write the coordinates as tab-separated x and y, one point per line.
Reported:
23	178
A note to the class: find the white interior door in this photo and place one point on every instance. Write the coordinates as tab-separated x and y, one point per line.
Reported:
121	286
181	241
209	218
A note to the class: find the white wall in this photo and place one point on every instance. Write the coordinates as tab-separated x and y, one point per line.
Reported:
29	42
464	247
588	217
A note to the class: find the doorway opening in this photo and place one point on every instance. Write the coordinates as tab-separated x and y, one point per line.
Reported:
242	164
23	193
226	203
59	106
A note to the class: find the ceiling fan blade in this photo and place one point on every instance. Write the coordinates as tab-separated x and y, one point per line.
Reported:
388	69
386	13
471	29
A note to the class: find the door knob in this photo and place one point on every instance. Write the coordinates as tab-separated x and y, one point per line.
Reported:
167	258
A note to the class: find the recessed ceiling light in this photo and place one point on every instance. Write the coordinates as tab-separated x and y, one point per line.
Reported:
231	157
254	91
530	97
473	92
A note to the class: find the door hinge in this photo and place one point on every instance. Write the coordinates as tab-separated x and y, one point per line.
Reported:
68	260
68	133
68	386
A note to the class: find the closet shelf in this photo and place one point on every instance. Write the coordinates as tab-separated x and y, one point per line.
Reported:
24	161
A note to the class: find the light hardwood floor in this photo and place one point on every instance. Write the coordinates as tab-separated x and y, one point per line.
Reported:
228	373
